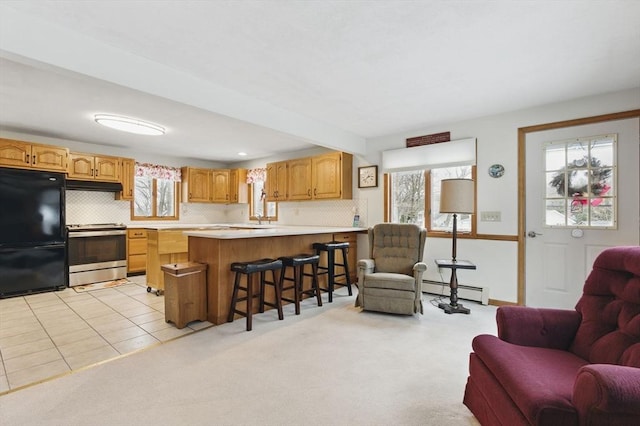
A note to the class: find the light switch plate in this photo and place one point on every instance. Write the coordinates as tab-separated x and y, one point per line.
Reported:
490	216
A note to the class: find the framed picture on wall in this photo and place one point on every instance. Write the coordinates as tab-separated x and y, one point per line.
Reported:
368	177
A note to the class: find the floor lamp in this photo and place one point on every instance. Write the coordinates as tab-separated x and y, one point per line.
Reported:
457	196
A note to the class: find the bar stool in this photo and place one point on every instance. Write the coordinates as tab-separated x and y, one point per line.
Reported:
298	262
330	269
249	269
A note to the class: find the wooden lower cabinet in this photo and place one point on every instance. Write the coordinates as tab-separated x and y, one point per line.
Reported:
136	250
164	246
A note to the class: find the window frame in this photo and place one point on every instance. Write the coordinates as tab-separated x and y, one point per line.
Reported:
154	202
265	207
388	185
561	175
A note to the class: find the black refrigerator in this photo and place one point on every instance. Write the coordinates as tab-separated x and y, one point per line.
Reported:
32	232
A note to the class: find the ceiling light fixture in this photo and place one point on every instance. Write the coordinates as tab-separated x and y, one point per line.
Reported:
131	125
242	154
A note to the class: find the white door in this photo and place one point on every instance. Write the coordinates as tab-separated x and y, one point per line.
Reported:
558	258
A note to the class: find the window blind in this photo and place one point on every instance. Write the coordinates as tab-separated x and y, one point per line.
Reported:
446	154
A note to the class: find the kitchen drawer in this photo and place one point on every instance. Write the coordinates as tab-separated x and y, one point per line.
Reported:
137	246
136	233
350	237
137	263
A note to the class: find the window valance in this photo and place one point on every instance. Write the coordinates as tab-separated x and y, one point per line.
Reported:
257	175
158	172
446	154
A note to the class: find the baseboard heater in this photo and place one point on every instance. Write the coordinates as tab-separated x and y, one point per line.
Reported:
476	294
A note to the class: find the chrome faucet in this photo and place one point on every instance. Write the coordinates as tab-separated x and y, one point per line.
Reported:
259	216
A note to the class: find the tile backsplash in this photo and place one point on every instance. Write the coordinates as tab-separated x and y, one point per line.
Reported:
101	207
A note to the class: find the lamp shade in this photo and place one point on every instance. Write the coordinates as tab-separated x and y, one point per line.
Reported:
457	196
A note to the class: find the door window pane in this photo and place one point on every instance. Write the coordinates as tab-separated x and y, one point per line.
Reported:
580	182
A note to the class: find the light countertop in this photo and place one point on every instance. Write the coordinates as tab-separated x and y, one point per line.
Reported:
205	226
268	231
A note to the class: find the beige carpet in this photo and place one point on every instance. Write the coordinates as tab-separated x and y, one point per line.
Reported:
331	365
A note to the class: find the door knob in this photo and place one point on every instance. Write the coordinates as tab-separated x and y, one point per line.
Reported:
533	234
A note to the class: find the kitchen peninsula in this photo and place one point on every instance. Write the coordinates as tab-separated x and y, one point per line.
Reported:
219	248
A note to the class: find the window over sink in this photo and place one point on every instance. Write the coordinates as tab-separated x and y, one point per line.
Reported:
156	192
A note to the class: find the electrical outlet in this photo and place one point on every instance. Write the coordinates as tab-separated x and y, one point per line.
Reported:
490	216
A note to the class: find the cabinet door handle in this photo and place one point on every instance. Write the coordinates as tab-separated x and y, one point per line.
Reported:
28	159
315	191
33	158
309	192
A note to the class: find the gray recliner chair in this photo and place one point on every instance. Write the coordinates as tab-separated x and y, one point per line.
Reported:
391	279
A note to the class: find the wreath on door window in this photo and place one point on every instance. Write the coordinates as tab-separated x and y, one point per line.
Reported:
596	183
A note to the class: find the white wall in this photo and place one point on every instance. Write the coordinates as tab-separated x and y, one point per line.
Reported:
497	142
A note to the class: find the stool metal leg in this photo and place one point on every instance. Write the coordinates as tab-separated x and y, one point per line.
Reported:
234	298
331	260
345	265
262	280
315	284
249	301
278	291
297	286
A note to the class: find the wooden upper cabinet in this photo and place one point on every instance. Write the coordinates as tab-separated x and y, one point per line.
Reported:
238	187
93	167
196	185
220	186
276	184
300	179
127	178
27	155
332	176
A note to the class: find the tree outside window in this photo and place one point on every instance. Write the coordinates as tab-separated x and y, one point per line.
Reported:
414	197
408	197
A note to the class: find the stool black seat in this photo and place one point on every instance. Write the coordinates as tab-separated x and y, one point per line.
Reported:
249	269
330	269
298	262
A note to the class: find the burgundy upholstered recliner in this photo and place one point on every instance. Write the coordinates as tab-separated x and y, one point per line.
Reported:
565	367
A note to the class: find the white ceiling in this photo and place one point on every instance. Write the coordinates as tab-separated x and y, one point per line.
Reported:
273	76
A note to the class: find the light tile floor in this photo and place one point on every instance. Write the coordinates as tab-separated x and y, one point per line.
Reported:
47	334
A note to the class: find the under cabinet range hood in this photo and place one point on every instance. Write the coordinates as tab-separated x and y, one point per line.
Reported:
90	185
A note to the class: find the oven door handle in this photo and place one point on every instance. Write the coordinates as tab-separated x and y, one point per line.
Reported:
76	234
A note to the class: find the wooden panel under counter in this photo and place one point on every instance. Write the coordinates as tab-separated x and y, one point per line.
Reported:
220	253
164	246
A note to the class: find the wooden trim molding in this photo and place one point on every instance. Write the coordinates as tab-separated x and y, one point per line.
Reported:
522	138
495	302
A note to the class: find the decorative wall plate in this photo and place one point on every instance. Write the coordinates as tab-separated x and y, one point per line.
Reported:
496	170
